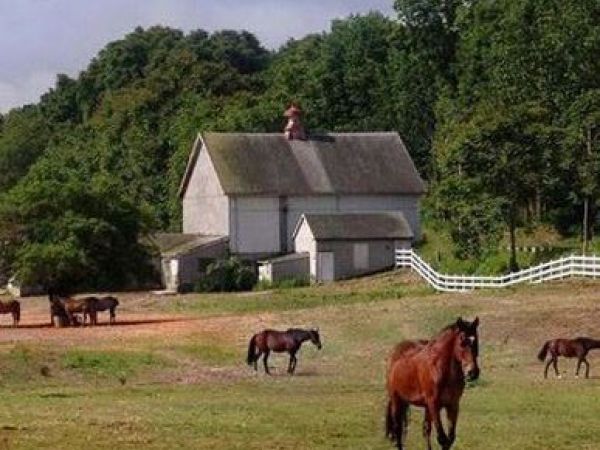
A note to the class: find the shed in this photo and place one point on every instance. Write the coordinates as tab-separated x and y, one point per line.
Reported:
343	245
184	257
294	266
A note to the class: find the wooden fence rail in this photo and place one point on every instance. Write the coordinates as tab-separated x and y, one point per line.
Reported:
568	266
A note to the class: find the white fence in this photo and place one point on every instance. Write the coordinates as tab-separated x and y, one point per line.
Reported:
569	266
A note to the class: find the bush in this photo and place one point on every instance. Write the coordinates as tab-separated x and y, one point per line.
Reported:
227	275
287	283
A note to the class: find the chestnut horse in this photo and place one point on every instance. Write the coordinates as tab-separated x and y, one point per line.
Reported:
13	307
66	308
280	341
569	348
431	374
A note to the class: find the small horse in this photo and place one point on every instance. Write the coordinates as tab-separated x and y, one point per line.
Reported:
280	341
13	307
431	375
569	348
67	307
108	302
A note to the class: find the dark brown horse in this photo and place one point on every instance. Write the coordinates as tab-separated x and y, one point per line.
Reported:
66	307
280	341
569	348
107	302
431	374
11	307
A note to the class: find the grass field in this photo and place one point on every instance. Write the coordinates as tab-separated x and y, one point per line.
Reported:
171	374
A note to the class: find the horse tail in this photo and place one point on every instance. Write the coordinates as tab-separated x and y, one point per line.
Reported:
396	421
251	350
544	351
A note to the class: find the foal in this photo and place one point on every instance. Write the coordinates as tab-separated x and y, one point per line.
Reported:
569	348
280	341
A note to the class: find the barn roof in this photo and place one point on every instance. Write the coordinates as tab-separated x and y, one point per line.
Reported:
175	244
335	163
356	226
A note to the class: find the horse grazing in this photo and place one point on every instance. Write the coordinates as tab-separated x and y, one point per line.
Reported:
11	307
108	302
67	307
431	374
280	341
569	348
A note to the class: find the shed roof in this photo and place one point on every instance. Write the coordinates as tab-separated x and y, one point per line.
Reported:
175	244
335	163
356	226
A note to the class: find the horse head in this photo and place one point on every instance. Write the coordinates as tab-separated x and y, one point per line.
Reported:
466	347
315	338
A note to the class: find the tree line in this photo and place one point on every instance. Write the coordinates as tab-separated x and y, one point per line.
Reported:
497	101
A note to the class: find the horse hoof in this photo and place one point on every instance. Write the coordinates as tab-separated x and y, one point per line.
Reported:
559	376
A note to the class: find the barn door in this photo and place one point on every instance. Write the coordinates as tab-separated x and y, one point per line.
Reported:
325	269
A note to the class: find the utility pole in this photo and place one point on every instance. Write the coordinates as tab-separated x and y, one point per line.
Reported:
586	200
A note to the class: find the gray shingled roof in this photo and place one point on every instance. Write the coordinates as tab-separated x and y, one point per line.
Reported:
174	244
357	226
336	163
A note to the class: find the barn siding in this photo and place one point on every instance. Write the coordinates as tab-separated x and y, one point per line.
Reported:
255	225
205	206
305	243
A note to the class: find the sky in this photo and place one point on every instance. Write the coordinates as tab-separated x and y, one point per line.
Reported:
41	38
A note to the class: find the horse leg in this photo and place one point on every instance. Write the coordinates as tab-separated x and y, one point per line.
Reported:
555	365
427	429
256	358
452	413
579	361
289	370
113	316
295	362
587	367
266	363
434	412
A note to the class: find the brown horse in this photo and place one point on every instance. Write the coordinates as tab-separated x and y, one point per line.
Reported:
280	341
431	375
107	302
66	308
13	307
569	348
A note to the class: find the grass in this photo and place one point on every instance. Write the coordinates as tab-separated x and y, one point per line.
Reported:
193	390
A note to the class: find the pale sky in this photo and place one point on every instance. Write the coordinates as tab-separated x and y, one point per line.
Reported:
40	38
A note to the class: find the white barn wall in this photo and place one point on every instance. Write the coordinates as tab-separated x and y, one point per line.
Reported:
205	206
254	225
300	205
305	242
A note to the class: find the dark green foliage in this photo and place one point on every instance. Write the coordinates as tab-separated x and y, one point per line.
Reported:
227	276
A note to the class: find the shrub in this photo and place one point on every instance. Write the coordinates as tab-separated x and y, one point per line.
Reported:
227	276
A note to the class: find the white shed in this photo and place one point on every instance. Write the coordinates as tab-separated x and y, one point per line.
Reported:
343	245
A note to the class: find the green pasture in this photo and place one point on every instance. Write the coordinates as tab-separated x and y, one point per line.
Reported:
194	391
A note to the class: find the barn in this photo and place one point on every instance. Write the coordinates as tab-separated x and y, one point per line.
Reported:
251	189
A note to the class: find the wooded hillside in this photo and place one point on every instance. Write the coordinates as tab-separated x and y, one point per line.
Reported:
498	102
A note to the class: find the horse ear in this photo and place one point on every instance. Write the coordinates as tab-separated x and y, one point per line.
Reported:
459	321
476	322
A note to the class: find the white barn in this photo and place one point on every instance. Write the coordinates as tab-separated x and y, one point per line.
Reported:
253	188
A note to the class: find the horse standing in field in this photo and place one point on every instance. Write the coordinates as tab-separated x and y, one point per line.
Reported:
108	302
11	307
67	307
280	341
431	374
569	348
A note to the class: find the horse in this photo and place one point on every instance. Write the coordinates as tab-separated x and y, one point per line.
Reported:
470	329
569	348
107	302
67	307
280	341
13	307
431	374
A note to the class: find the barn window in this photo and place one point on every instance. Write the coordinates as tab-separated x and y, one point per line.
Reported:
361	256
